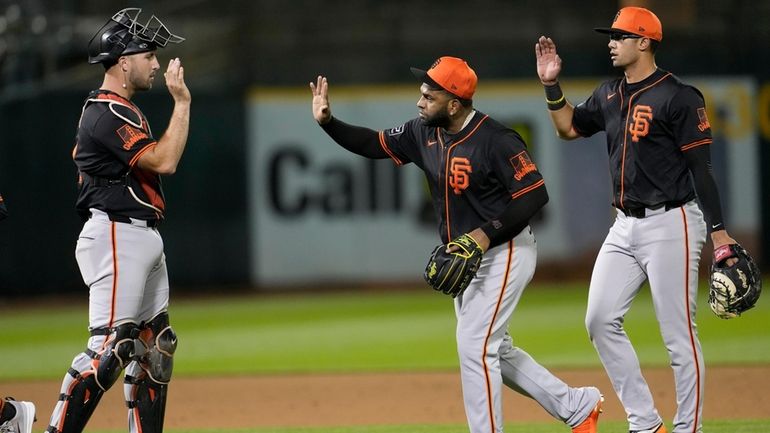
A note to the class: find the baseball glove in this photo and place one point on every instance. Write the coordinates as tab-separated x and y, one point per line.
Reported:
451	273
733	289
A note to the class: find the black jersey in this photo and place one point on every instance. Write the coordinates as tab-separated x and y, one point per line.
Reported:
112	135
473	174
649	125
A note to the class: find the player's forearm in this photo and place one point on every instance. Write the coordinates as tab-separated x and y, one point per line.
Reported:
167	153
515	217
359	140
562	122
560	110
699	162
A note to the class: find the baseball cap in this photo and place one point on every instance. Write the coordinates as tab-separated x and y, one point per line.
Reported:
451	74
637	21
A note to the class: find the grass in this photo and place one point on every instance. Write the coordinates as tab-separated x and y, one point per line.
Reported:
372	331
362	331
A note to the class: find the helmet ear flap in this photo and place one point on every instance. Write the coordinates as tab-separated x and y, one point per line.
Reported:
108	44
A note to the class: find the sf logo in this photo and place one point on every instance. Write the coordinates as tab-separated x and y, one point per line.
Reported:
640	127
458	174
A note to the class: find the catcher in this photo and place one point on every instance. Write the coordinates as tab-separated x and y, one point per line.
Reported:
485	188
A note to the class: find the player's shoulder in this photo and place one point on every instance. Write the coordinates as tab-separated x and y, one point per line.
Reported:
679	90
107	106
494	130
410	128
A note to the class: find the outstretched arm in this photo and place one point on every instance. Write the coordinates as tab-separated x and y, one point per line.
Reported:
548	69
356	139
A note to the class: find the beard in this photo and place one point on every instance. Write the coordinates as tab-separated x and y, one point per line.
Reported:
141	84
438	120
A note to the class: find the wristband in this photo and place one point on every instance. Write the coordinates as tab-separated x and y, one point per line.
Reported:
722	253
554	97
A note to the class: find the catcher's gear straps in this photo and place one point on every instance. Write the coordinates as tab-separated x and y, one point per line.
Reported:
146	383
91	375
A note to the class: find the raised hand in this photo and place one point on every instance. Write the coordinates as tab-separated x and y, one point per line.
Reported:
175	81
548	61
322	111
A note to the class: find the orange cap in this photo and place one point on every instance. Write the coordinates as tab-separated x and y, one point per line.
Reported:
451	74
637	21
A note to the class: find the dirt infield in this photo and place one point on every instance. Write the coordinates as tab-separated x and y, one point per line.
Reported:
386	398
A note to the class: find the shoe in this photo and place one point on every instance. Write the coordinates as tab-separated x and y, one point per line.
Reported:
592	420
659	429
22	421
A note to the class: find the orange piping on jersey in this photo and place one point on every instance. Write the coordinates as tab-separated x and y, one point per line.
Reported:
114	273
139	154
384	146
625	135
523	191
124	101
489	334
695	144
689	316
145	179
446	172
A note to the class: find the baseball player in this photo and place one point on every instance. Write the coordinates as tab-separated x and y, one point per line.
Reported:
120	251
16	416
482	183
658	139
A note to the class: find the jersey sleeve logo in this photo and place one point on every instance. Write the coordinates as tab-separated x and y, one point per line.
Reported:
640	126
396	131
522	165
458	179
130	136
703	120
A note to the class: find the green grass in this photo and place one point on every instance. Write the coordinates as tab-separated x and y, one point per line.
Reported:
751	426
362	331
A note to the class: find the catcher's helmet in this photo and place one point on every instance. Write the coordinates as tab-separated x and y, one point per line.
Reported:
123	35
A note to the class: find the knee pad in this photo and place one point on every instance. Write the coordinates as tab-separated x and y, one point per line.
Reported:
119	350
160	342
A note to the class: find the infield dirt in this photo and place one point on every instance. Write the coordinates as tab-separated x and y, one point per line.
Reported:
386	398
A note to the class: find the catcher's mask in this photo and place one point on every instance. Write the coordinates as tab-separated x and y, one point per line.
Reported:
123	35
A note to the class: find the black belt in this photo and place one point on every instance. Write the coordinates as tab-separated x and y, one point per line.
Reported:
127	220
124	219
106	181
641	212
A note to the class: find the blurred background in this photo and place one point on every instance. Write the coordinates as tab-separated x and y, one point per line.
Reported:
264	200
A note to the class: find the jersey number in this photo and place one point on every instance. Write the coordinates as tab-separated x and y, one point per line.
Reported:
458	178
641	126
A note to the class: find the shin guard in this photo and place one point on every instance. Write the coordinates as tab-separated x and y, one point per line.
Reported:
92	373
146	384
